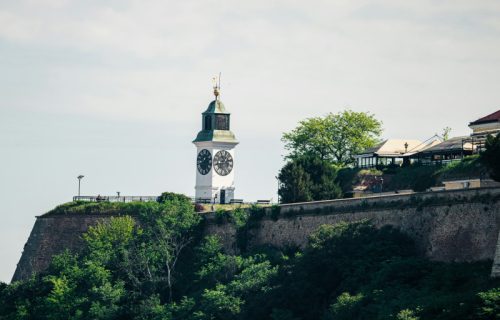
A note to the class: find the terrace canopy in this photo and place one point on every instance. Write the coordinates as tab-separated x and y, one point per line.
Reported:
389	152
450	150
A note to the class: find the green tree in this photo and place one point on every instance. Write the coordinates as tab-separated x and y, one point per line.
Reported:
167	230
108	241
406	314
228	282
491	156
308	179
294	183
219	303
151	308
335	137
80	290
490	304
446	133
346	307
213	265
323	177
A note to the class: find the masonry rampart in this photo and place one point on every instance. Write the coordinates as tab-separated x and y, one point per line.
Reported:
447	226
52	235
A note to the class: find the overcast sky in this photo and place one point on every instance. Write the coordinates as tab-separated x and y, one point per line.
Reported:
114	89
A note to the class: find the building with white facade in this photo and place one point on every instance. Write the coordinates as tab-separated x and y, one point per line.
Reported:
215	162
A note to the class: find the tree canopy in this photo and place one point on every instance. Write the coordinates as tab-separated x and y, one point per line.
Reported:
335	137
307	179
491	156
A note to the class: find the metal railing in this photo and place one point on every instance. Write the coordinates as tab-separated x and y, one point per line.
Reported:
100	198
116	198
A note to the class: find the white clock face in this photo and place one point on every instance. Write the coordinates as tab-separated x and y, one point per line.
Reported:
223	163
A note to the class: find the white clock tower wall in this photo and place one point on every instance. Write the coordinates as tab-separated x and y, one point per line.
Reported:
215	166
209	186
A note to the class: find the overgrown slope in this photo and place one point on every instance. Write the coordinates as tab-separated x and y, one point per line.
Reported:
162	268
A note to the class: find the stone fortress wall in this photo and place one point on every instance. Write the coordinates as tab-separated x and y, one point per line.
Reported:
459	225
52	234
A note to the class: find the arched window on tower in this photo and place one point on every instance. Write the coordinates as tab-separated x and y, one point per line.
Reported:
208	123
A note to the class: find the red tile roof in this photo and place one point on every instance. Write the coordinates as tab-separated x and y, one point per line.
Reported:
494	117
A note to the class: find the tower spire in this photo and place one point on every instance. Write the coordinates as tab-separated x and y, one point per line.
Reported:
216	82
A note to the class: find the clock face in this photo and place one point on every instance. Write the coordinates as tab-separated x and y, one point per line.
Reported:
223	163
204	161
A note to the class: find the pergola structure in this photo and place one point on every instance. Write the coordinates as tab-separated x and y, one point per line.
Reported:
447	151
432	151
390	152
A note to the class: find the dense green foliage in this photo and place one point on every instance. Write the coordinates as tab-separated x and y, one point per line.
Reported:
416	177
468	167
317	147
307	179
106	207
334	138
171	196
85	207
491	156
158	266
349	177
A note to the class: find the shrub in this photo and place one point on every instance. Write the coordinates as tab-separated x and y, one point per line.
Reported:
490	304
491	156
415	177
171	196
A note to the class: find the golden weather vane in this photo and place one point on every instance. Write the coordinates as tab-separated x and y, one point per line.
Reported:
216	84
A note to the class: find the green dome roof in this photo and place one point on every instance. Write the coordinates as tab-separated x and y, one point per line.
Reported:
210	131
216	135
216	106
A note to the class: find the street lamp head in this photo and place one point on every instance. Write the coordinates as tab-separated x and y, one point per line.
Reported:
79	180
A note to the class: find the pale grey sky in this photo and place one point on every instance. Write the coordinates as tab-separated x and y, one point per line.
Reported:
114	89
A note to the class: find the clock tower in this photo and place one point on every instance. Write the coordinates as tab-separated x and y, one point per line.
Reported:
215	154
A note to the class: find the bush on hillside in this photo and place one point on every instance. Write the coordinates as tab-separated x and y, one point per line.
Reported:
491	156
469	168
415	177
171	196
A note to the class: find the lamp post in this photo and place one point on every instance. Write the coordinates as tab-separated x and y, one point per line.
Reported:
80	177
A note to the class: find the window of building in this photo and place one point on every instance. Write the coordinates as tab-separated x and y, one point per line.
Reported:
208	123
222	122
